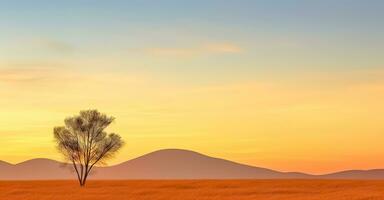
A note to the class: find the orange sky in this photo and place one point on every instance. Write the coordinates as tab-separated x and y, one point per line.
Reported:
298	124
283	85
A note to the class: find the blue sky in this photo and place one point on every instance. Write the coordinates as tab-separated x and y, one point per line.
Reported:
274	37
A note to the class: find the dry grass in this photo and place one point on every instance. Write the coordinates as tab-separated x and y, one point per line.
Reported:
199	189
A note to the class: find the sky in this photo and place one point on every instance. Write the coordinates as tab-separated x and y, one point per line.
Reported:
291	85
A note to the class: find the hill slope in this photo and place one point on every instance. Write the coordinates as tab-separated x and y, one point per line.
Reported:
167	164
183	164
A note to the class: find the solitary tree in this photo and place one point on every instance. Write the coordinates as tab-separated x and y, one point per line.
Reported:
84	142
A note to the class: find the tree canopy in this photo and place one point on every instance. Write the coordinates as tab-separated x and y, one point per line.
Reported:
84	142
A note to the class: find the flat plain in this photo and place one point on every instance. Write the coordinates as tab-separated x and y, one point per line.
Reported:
195	189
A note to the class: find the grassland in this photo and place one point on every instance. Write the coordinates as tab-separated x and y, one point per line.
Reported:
196	190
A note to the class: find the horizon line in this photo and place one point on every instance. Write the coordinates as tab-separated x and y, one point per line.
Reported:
195	152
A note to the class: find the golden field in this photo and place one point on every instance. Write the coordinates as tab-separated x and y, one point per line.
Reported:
195	189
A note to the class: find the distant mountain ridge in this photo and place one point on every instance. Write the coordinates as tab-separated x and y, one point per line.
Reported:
167	164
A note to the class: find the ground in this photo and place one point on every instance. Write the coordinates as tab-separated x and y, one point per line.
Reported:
195	189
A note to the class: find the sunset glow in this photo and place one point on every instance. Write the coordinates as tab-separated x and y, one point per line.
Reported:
285	92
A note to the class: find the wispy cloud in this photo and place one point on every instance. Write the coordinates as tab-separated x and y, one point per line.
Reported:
38	46
53	45
22	75
166	51
201	50
223	48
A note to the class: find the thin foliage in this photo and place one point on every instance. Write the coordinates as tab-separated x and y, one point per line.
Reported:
84	142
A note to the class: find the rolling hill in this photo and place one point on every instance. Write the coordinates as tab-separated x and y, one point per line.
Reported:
167	164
